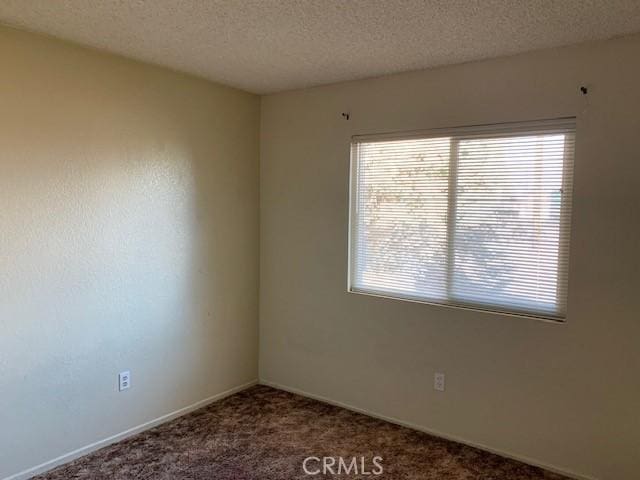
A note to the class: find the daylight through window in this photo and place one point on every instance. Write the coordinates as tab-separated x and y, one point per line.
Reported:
473	217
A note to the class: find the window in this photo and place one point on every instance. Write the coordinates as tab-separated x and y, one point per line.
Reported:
473	217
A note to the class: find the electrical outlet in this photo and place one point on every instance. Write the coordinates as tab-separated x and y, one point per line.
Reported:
124	380
438	381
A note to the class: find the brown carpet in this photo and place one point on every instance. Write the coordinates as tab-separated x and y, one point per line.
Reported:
263	434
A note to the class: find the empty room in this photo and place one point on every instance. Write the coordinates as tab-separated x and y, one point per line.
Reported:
319	239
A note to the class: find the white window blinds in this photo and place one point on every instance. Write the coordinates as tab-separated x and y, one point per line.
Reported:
474	217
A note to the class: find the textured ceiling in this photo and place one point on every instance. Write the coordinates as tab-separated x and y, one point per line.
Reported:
270	45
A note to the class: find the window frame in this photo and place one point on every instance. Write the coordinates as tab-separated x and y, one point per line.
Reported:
562	125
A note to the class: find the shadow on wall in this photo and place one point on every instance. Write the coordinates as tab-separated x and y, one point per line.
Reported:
128	240
101	263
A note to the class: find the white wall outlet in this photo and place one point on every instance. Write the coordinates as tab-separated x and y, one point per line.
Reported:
124	380
438	381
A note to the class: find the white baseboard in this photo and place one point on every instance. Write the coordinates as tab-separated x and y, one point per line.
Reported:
429	431
68	457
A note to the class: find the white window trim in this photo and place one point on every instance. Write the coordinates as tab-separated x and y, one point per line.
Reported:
498	129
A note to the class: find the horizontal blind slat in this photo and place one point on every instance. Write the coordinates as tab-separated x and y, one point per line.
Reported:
505	244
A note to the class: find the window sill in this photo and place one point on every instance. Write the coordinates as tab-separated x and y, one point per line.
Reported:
543	318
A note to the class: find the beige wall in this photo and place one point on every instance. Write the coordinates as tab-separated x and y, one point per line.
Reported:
128	240
565	396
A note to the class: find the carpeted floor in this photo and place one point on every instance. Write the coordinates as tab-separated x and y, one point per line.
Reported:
264	434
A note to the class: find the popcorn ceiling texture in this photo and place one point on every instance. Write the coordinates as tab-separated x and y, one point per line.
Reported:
266	46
